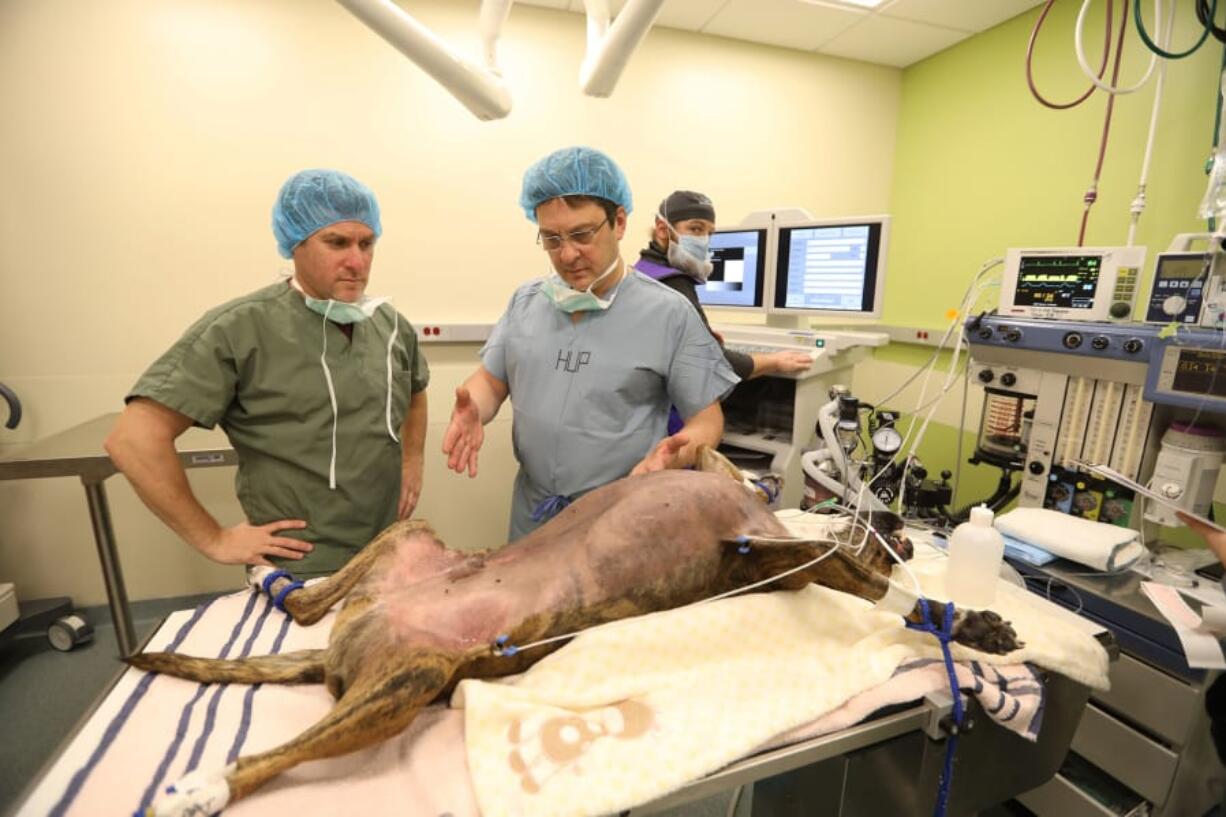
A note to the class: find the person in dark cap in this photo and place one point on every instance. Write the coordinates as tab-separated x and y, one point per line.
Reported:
677	257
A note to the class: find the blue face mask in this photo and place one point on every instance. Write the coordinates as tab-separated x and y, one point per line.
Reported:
578	300
689	253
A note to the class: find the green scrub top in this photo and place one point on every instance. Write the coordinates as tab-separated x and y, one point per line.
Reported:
253	366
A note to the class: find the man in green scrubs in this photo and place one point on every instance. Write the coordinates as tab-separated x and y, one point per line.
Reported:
330	448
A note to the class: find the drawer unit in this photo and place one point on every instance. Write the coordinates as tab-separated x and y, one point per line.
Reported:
1149	697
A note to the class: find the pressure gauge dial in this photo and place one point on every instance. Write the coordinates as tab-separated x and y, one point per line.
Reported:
887	440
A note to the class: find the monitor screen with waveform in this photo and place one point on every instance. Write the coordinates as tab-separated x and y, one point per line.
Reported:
1066	281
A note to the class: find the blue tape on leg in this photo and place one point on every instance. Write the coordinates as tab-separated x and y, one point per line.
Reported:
279	601
272	577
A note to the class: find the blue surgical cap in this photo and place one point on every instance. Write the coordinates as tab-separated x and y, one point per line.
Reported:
312	199
575	171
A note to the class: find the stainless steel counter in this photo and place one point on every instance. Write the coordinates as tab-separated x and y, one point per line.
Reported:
78	452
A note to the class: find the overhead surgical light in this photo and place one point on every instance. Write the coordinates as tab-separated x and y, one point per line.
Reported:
609	46
481	88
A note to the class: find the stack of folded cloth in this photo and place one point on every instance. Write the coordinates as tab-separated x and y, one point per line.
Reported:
1037	535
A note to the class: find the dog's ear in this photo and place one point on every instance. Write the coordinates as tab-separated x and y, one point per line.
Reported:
711	460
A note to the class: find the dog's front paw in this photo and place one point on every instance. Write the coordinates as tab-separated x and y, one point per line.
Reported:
985	631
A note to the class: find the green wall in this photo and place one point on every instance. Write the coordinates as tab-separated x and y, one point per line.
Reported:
981	166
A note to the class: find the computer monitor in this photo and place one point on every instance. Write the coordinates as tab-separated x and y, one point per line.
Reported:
831	267
738	274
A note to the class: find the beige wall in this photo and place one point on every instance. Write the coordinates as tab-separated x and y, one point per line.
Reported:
143	142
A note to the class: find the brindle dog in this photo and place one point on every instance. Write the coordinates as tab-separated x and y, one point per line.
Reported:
419	617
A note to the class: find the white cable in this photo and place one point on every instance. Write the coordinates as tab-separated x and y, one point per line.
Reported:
970	298
1079	49
1138	203
391	341
323	358
829	552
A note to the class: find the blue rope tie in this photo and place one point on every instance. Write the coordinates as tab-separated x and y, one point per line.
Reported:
549	507
743	541
501	647
279	601
272	577
765	487
944	634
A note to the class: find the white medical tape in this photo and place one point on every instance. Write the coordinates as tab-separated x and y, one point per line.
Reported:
196	793
256	575
897	599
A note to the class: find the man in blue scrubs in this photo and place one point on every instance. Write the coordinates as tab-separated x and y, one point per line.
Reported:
591	357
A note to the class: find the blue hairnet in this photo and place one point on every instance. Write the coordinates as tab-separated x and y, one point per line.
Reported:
575	171
312	199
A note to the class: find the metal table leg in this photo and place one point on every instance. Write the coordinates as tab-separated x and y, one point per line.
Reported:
112	574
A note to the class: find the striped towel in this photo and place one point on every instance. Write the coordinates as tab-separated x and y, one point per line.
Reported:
152	729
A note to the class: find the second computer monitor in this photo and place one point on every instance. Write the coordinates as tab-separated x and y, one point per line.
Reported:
832	266
738	270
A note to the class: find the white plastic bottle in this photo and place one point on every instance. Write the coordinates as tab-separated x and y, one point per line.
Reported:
975	553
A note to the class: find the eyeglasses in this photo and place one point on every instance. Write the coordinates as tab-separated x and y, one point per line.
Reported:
580	238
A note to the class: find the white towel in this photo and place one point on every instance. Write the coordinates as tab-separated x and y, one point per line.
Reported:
630	711
1109	548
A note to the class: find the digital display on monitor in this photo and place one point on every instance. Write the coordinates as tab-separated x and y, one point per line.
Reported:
738	261
1200	371
828	267
1065	281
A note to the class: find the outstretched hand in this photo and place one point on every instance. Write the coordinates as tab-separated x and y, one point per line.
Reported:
1214	538
664	455
464	434
247	544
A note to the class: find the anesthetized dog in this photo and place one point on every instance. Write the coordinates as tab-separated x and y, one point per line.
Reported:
419	617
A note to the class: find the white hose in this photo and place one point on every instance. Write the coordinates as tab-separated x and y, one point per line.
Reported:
1079	49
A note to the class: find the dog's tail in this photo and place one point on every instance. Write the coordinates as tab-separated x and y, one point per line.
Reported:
302	667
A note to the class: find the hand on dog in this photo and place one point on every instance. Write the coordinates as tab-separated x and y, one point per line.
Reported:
663	456
464	434
247	544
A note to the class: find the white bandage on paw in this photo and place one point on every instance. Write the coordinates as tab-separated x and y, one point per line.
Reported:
897	599
256	575
196	793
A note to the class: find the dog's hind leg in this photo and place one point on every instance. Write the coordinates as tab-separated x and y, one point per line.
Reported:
309	604
302	667
378	705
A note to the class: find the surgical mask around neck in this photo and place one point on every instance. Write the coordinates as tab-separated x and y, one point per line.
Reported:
688	253
341	311
578	300
365	307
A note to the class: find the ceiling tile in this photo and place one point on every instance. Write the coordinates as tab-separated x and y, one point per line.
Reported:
690	15
965	15
790	23
891	42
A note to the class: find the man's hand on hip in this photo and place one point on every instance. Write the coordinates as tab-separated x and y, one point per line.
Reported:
247	544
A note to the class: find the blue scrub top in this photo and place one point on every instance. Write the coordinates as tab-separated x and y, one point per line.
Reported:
591	398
